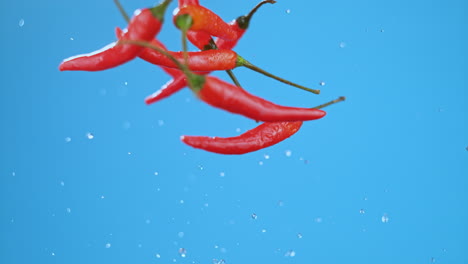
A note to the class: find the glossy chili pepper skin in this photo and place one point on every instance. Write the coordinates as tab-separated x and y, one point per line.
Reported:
234	99
147	53
144	26
207	21
168	89
262	136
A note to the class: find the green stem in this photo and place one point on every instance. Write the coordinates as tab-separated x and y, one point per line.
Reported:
122	10
339	99
243	62
159	10
243	21
233	78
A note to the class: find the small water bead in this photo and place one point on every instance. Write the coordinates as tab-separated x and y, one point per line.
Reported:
102	197
342	44
288	153
221	261
254	216
181	234
13	174
361	211
72	39
160	122
288	11
108	245
52	254
68	210
290	253
148	221
299	235
266	156
67	139
126	83
21	23
62	183
158	256
385	218
183	252
322	83
222	174
89	135
260	163
264	230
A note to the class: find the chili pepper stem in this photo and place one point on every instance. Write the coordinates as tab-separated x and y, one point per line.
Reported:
243	21
122	10
337	100
233	78
243	62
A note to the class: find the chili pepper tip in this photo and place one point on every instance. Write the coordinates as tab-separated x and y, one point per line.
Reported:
159	10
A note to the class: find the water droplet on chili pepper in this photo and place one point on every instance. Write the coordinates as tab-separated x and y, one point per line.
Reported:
89	135
21	23
67	139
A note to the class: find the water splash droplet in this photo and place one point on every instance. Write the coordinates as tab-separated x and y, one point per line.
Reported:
260	163
221	261
222	174
361	211
160	122
52	254
288	11
266	156
148	221
254	216
21	23
342	44
288	153
125	83
299	235
181	234
264	230
62	183
290	253
89	135
385	218
158	256
322	83
67	139
183	252
108	245
68	210
72	38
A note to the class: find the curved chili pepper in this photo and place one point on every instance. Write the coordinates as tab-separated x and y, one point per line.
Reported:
143	26
167	89
206	20
234	99
260	137
240	25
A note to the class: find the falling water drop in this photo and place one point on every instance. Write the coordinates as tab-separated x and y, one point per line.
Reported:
89	135
21	23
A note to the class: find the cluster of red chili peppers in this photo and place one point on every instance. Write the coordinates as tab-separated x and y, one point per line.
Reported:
199	25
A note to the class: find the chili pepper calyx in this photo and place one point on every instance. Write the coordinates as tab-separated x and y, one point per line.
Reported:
159	10
211	45
184	22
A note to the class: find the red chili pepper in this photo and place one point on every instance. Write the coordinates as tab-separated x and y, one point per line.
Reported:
144	26
262	136
240	25
168	89
234	99
207	21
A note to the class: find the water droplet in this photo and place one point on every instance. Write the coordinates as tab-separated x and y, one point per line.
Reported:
89	135
361	211
238	130
288	153
254	216
139	245
290	253
52	254
280	203
158	256
299	235
318	220
382	30
181	234
102	197
385	218
433	260
160	122
21	23
322	83
260	163
182	252
156	173
181	201
266	156
288	11
108	245
342	44
126	83
222	174
466	148
206	204
264	230
72	38
129	153
68	210
216	261
148	221
67	139
62	183
126	125
13	174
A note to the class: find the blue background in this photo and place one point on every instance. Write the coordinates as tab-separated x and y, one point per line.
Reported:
381	179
